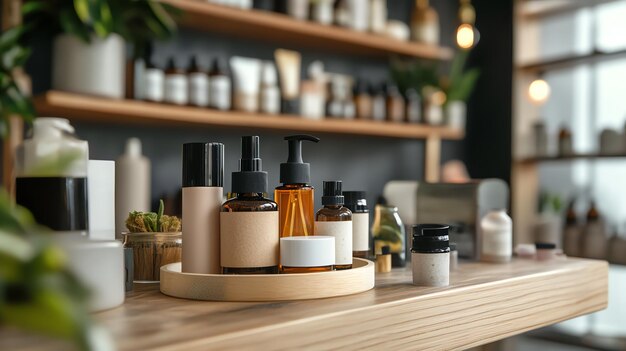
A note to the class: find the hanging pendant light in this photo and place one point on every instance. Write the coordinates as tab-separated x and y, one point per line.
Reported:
467	36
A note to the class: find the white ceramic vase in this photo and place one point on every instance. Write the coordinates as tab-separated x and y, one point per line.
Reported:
95	68
456	114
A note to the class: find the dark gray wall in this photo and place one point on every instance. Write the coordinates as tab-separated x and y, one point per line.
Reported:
361	162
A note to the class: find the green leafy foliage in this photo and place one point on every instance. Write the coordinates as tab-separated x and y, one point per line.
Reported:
149	222
37	291
458	84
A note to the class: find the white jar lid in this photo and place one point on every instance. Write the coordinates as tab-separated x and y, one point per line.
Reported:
307	251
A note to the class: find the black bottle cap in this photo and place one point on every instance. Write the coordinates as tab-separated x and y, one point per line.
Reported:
193	65
381	201
250	178
545	246
391	89
203	164
361	88
332	193
356	201
452	246
290	107
385	250
431	238
219	66
295	171
171	65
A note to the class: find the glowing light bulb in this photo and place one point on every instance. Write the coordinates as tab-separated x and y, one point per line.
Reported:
465	37
539	91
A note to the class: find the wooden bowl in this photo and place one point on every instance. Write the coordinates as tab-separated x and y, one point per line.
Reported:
267	287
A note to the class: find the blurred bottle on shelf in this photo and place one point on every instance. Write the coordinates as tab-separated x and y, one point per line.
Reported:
378	16
153	83
617	249
594	241
425	23
322	11
571	232
565	142
413	106
198	84
176	90
395	104
220	95
362	101
433	102
379	103
541	139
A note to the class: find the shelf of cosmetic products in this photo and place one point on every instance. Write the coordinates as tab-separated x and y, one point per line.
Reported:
572	157
484	303
97	109
287	30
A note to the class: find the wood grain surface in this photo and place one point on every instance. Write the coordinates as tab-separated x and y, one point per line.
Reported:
484	303
97	109
267	287
288	32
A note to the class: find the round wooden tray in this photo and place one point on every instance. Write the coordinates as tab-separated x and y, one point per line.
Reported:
267	287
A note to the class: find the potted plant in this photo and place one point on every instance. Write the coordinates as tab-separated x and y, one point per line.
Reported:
458	86
89	48
448	91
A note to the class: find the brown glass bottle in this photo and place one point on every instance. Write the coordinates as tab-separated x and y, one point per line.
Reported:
336	220
250	202
249	238
395	104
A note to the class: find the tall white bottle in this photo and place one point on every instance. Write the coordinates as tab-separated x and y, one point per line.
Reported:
132	184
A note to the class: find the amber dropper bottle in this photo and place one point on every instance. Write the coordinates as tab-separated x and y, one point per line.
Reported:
295	197
336	220
249	223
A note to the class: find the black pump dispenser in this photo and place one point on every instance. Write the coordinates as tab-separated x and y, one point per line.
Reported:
250	178
332	193
295	171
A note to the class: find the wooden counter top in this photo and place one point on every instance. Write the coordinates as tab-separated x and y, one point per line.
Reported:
484	303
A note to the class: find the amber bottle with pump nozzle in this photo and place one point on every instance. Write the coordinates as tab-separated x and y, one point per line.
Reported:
249	236
336	220
295	197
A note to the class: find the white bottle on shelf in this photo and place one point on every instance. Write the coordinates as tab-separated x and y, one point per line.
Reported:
132	184
496	242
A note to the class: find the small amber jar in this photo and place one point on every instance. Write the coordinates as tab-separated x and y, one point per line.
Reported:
307	254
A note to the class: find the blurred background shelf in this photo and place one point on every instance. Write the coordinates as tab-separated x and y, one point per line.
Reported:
531	160
281	29
96	109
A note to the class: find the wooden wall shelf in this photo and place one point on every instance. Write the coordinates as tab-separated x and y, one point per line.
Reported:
484	303
592	157
285	31
95	109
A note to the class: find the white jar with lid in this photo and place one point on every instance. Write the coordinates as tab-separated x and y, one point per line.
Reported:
496	244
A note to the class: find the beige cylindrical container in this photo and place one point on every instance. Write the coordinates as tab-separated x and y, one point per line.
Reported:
430	255
132	184
203	179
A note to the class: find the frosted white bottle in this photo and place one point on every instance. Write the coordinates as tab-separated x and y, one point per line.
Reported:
270	93
496	244
132	184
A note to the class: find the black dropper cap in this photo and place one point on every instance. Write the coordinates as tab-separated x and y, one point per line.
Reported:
361	88
203	164
295	171
356	201
250	178
171	65
219	66
193	65
431	238
290	107
332	193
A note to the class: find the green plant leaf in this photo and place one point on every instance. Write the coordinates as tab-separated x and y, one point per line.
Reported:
160	214
10	37
33	7
71	24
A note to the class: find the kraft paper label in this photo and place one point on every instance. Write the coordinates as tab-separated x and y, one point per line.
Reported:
249	239
497	243
342	231
360	231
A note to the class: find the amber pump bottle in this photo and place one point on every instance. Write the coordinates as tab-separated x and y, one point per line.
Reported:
295	197
249	222
336	220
